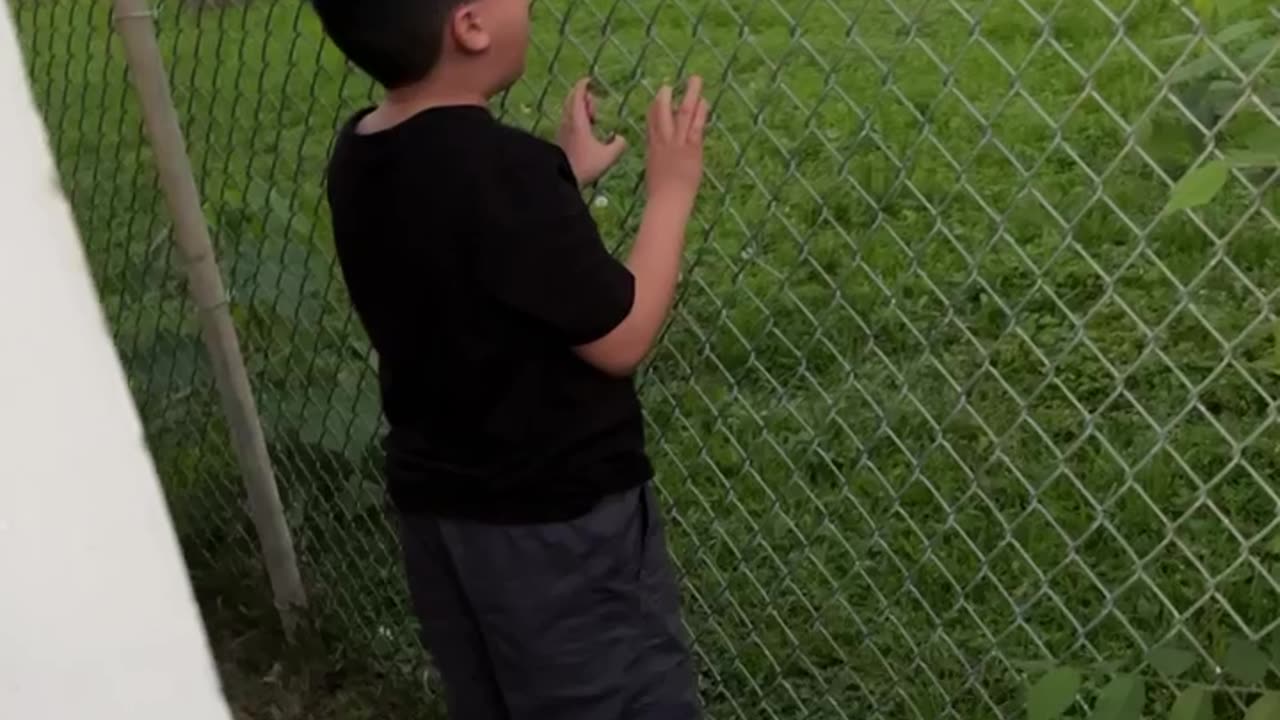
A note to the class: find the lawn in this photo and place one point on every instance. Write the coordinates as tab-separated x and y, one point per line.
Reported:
946	394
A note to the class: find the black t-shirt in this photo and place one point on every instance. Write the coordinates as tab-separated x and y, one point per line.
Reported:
475	267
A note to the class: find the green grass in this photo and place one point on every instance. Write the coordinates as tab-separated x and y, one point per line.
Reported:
945	392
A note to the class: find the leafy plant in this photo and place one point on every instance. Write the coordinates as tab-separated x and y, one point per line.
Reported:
1053	694
1222	93
1125	696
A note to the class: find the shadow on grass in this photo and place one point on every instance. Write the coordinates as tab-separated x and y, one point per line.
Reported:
316	678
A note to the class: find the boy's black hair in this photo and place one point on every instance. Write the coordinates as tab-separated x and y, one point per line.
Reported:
397	42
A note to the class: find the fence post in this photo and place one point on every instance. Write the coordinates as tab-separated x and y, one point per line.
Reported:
134	21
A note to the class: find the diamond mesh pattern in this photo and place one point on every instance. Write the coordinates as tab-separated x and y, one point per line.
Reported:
946	392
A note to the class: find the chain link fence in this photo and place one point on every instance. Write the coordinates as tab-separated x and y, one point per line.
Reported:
948	393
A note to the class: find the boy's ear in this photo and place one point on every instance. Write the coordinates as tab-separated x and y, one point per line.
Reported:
468	29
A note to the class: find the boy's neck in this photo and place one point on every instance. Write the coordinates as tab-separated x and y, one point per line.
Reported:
403	103
421	96
447	85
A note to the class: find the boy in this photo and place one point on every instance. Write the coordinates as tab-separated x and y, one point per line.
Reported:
506	337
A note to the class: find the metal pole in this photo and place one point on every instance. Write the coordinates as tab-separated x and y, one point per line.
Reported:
135	23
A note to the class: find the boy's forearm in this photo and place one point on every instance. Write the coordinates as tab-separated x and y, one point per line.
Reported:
673	174
655	262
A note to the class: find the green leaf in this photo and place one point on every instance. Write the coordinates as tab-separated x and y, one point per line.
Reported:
1199	186
1122	699
1245	661
1201	67
1176	40
1171	660
1228	8
1035	667
1253	158
1204	8
1273	547
1266	707
1263	139
1053	694
1238	31
1259	147
1218	99
1256	54
1270	96
1275	637
1169	141
1193	703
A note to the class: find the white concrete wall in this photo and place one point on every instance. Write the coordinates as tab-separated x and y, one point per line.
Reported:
97	618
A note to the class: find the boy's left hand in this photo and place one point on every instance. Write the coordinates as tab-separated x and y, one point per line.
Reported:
589	157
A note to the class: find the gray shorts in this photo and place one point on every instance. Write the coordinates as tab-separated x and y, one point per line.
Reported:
564	621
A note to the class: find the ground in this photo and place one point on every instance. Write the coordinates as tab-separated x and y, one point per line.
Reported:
946	395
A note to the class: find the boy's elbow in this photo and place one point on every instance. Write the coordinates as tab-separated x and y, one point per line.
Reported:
614	356
621	369
619	372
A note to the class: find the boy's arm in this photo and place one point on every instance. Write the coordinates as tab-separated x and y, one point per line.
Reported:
588	156
674	173
547	261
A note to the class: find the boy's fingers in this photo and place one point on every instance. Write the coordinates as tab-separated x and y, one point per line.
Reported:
591	107
568	101
576	105
689	106
664	121
659	109
698	129
616	147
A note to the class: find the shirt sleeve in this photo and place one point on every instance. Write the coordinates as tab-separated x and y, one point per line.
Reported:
542	255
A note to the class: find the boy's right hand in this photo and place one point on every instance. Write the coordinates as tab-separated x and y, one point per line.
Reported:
675	144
